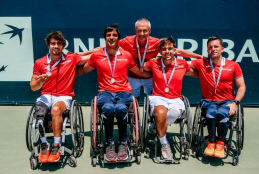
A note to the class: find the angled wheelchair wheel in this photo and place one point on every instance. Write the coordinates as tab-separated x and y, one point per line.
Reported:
29	139
77	127
195	127
188	121
240	129
145	121
135	125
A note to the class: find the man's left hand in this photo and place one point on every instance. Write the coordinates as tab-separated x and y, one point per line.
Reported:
232	108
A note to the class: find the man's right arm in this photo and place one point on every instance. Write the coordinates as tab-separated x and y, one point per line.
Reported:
80	70
37	81
90	51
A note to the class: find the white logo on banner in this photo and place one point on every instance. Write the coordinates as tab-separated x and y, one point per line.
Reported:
16	50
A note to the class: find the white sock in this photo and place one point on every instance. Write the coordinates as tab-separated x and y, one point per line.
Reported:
163	139
151	126
172	115
44	139
57	140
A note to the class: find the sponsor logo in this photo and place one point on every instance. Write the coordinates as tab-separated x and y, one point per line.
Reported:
207	66
122	59
226	69
151	50
67	61
180	66
16	49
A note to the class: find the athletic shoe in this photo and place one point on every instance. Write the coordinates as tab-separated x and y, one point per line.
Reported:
123	152
219	151
110	153
44	153
152	131
55	153
166	151
210	149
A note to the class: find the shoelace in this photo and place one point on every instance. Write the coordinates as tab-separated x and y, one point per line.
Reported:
211	146
122	147
44	148
220	147
167	150
54	150
111	148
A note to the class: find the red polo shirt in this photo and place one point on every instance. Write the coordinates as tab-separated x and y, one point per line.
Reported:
175	85
129	44
124	62
62	79
230	71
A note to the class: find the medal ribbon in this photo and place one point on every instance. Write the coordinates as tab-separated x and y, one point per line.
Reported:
139	56
49	60
171	72
112	71
213	73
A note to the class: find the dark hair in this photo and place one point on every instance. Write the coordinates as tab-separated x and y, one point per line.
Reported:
215	38
167	40
110	28
57	35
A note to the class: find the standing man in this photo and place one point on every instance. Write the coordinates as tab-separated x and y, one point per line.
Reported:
112	64
165	101
217	78
55	75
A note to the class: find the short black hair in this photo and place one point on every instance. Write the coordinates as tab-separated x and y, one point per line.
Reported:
110	28
167	40
215	38
57	35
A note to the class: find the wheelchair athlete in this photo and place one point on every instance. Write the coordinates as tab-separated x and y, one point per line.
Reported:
165	101
114	96
55	75
217	77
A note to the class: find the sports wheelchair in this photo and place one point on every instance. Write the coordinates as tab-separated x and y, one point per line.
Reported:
72	119
236	124
97	127
185	122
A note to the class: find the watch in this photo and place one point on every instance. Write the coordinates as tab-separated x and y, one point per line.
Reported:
237	102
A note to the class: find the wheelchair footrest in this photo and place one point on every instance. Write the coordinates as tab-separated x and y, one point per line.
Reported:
116	161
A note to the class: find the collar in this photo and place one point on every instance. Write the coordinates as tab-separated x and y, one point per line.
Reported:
135	43
118	52
48	60
175	62
223	61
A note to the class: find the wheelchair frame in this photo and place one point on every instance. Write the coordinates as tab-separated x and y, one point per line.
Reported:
198	128
74	121
185	131
97	139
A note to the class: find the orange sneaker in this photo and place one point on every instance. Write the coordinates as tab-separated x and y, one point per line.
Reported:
55	153
209	151
219	151
44	153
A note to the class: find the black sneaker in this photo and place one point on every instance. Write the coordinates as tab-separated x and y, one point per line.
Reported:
110	153
123	152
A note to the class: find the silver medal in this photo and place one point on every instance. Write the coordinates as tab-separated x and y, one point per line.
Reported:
166	90
112	80
48	73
